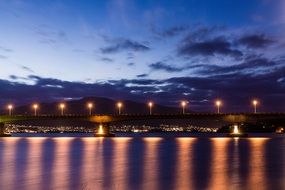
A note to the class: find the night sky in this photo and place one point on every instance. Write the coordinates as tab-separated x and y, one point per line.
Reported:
163	50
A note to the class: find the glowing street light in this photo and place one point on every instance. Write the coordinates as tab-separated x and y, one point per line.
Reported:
119	105
10	108
255	103
35	106
183	104
150	105
218	104
90	106
62	106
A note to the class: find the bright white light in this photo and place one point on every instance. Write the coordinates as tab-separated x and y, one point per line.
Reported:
236	130
100	130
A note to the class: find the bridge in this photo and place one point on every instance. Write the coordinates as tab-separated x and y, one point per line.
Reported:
106	120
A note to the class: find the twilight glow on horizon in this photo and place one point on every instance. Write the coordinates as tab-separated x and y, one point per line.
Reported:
165	51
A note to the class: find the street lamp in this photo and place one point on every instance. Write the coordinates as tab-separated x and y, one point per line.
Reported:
255	103
62	106
218	104
90	106
35	106
183	104
10	108
119	105
150	104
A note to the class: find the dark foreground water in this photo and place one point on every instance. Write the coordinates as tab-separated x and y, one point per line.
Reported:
133	163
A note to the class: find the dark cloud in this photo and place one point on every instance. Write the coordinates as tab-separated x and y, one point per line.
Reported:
255	41
14	77
255	66
76	50
4	49
130	55
142	75
200	33
27	69
209	48
169	32
140	82
253	75
106	59
164	67
50	35
124	44
131	64
49	89
3	57
236	90
173	31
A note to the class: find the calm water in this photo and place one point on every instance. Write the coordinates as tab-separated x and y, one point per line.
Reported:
142	163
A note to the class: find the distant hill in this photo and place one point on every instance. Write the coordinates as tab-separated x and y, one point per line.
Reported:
101	106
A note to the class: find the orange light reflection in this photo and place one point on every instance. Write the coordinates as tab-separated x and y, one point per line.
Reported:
60	170
183	179
257	164
120	160
150	179
219	179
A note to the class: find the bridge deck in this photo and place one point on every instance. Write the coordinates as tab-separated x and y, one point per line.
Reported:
102	118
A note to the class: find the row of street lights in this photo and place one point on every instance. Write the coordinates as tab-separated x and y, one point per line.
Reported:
90	106
254	103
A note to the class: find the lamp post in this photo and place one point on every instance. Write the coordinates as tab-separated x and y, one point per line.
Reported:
255	103
35	106
183	104
218	104
119	105
90	106
150	104
10	108
62	106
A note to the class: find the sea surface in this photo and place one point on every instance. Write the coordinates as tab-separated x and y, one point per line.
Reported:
134	162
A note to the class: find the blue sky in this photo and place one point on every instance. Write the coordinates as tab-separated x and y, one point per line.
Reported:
162	50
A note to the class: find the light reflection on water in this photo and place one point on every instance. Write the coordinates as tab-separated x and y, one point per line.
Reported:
61	163
218	179
184	164
150	163
257	164
142	163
